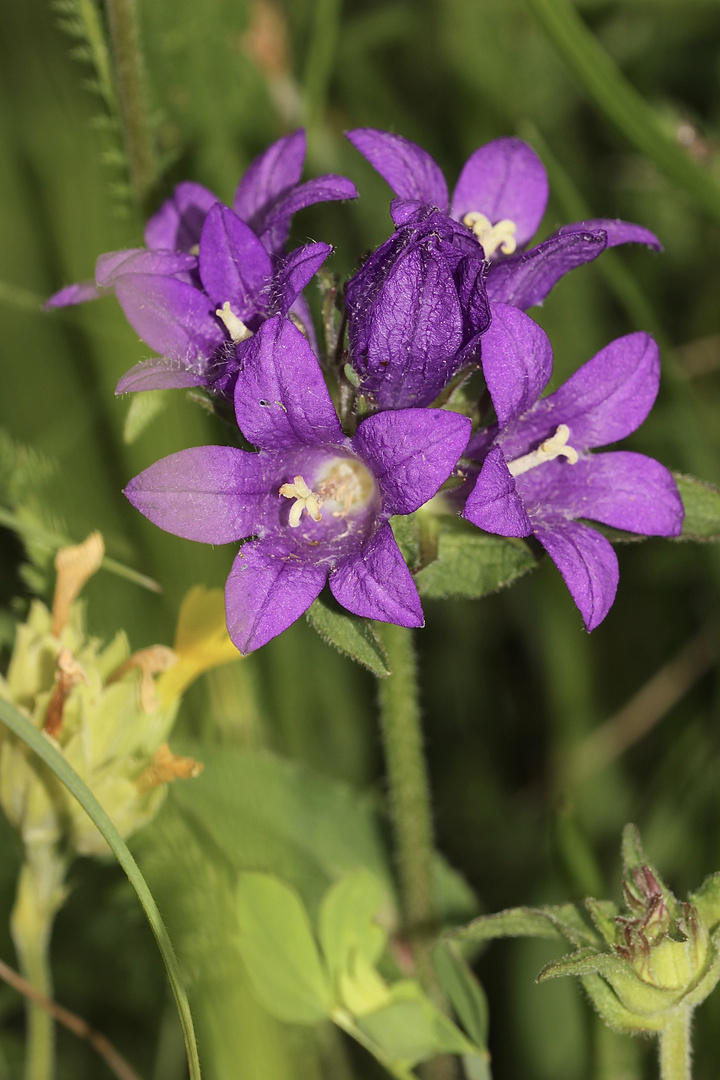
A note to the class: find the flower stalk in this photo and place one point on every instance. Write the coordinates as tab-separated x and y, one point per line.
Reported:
675	1046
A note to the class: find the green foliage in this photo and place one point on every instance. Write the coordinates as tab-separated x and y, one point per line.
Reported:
349	634
471	563
702	508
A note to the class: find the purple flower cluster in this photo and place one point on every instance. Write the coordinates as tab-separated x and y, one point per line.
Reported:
215	294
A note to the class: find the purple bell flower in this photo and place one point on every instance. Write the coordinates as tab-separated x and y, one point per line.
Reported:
312	504
537	475
500	196
416	310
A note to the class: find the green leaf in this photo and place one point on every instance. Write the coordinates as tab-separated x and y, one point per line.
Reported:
279	951
145	405
603	914
561	922
612	94
471	563
267	813
349	634
46	751
411	1029
702	508
348	923
467	996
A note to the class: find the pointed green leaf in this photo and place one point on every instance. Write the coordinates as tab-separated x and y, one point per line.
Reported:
411	1029
145	405
702	508
348	921
603	914
279	951
349	634
466	995
562	922
634	993
471	563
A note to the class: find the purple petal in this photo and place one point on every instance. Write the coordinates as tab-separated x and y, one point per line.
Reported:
409	170
269	175
609	396
411	452
178	223
172	317
588	564
234	266
141	261
375	583
294	273
525	279
404	210
74	294
159	374
276	222
617	232
622	489
266	593
494	503
281	400
214	494
504	179
517	361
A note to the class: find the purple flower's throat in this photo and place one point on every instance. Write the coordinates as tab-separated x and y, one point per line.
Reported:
554	447
491	237
346	484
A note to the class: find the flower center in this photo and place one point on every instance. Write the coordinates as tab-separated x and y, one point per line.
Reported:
492	237
554	447
347	484
235	327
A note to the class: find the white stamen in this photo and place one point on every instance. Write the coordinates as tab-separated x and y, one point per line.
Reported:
491	237
305	499
235	327
554	447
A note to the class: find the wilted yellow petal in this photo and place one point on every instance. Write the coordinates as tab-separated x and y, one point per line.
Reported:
74	565
201	642
166	767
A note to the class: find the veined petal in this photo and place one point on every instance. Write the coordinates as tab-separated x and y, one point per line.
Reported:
409	170
141	261
272	172
214	494
159	373
375	583
178	223
587	563
234	265
411	453
276	222
171	316
265	593
622	489
505	179
609	396
525	279
517	361
294	273
281	400
494	503
617	232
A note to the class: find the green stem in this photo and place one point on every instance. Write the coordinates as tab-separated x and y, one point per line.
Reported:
40	893
675	1047
409	796
319	65
131	88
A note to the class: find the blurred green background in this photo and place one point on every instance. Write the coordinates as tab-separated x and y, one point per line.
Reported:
512	685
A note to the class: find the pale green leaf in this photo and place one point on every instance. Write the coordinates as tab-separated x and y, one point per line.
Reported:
145	405
562	922
349	634
411	1029
471	563
348	921
702	508
279	951
466	995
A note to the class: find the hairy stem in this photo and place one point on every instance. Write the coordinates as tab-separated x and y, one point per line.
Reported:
131	88
409	796
40	893
675	1047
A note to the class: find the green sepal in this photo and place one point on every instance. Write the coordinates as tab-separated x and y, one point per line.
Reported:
603	914
406	530
466	995
145	405
634	858
279	951
633	992
562	922
471	563
349	634
613	1012
702	508
707	901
